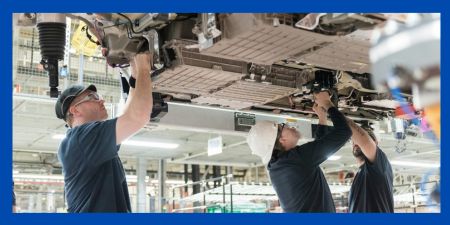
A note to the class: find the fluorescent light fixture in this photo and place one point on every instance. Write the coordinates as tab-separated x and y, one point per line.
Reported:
414	164
334	157
59	136
150	144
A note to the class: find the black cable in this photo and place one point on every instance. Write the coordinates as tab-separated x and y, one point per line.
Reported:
131	23
90	36
168	22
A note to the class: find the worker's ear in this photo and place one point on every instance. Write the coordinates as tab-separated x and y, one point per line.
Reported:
73	110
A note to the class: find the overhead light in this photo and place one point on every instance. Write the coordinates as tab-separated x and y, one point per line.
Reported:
414	164
150	144
59	136
334	157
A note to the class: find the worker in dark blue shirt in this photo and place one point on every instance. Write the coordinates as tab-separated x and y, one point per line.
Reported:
372	188
94	178
295	170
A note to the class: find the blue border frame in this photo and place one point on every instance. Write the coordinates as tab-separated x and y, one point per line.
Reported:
10	7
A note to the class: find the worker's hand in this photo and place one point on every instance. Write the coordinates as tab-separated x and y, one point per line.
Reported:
323	99
141	64
320	111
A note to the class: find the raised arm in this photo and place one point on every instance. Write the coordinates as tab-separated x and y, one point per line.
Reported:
321	113
322	127
140	101
361	138
320	149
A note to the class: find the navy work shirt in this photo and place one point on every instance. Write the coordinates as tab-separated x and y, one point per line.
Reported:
93	174
372	187
296	176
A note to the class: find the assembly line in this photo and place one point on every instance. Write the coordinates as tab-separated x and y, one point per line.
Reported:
355	88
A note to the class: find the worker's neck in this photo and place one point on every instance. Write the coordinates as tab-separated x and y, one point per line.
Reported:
80	122
360	162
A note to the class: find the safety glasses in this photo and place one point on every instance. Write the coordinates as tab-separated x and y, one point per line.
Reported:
280	130
93	96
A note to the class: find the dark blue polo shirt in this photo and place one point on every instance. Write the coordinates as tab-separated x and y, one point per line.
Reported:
93	173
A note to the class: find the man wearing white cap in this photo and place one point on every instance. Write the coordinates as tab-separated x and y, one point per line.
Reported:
294	170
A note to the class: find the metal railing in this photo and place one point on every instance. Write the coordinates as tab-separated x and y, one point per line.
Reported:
222	181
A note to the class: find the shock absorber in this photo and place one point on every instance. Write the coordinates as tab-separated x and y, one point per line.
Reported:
52	39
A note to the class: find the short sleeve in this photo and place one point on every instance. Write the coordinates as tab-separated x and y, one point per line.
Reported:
381	163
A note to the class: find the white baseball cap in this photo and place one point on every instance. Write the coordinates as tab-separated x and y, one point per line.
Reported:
261	139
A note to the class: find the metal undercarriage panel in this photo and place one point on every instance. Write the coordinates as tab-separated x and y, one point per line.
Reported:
244	94
264	44
347	53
